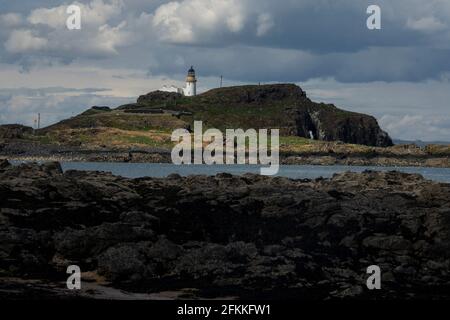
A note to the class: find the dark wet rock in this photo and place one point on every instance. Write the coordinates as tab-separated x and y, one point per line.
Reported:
383	242
4	164
247	236
123	263
53	168
79	244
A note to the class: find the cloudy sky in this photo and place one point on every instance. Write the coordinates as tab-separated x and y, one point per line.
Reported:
400	74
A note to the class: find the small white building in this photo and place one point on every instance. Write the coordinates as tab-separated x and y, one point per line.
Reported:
189	90
171	88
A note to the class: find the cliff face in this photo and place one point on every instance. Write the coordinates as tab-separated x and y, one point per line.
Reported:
326	122
283	106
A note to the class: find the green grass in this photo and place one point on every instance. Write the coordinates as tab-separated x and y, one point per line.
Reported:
92	112
297	141
120	120
43	139
145	141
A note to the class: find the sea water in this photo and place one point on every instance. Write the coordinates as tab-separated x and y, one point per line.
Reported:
137	170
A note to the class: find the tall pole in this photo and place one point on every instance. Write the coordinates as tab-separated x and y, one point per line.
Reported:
39	121
221	81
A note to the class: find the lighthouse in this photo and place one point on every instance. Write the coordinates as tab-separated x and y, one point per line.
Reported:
189	90
191	83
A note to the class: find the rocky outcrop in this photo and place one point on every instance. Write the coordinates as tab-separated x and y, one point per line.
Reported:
95	110
14	131
224	235
326	122
261	94
158	97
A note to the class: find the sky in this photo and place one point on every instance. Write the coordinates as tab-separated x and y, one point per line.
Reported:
400	74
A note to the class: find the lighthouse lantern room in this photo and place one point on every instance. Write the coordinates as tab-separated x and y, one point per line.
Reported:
191	83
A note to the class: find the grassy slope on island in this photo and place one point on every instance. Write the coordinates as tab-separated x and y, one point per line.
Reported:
119	120
104	137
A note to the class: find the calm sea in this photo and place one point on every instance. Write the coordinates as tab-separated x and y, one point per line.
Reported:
136	170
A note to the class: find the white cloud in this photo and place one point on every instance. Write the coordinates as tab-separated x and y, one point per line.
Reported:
428	98
121	82
95	13
25	41
11	19
45	36
107	39
417	127
195	21
19	103
265	23
53	17
426	24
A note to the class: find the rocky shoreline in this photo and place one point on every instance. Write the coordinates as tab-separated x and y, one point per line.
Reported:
222	236
412	157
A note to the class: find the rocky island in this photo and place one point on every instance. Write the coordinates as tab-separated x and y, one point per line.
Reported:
222	236
311	133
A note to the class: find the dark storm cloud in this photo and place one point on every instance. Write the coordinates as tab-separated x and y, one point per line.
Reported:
333	26
267	64
276	40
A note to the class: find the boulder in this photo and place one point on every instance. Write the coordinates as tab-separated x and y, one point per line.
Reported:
4	164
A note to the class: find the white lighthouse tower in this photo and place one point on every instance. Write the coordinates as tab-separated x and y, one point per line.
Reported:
191	83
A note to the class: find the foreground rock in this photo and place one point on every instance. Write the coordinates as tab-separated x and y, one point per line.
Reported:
247	237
